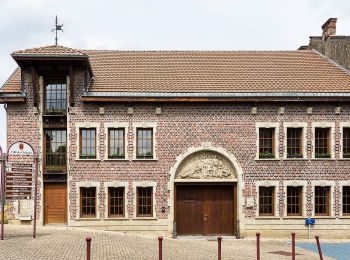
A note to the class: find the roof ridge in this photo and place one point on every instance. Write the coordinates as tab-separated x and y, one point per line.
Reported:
198	51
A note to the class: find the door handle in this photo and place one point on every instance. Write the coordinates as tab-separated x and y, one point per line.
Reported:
205	217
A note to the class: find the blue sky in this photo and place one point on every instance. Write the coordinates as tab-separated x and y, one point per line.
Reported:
163	25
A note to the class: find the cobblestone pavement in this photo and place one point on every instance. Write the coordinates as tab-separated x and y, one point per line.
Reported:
69	243
340	250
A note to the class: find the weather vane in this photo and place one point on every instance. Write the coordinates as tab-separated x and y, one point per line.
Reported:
58	27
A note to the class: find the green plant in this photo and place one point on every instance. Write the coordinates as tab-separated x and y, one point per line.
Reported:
322	155
346	155
294	155
266	155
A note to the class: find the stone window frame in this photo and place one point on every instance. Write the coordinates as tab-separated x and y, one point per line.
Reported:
295	183
88	184
330	125
342	125
323	183
123	125
302	125
78	126
341	184
274	184
137	125
116	184
274	125
145	184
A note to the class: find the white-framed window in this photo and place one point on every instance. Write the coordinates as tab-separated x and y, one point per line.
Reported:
144	141
323	198
144	199
87	202
295	140
116	199
267	140
323	140
88	141
295	198
116	141
267	198
344	149
344	190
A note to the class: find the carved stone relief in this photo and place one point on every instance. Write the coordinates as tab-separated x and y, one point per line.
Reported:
206	165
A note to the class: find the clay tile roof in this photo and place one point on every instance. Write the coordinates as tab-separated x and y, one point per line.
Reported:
215	71
13	84
51	50
205	71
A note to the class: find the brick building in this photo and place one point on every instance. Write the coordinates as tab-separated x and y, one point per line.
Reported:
184	142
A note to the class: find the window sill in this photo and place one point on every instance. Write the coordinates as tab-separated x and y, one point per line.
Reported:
267	217
267	159
295	159
122	159
324	217
88	219
86	160
344	159
322	159
145	218
140	159
344	217
116	218
294	217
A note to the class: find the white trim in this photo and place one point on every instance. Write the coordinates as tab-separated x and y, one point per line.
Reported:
295	183
152	125
88	184
341	126
125	126
145	184
116	184
330	125
268	183
341	185
77	131
302	125
324	183
276	126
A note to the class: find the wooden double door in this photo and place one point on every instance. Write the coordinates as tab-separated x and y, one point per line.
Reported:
55	203
205	209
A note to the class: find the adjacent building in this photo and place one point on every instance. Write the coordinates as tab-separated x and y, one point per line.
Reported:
184	142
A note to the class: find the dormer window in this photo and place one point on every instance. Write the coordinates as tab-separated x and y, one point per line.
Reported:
55	96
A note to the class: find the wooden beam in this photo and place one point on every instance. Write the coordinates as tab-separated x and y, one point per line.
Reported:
34	83
71	86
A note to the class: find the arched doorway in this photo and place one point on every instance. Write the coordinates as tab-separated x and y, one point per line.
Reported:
205	194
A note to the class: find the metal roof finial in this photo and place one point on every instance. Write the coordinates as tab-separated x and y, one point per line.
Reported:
58	27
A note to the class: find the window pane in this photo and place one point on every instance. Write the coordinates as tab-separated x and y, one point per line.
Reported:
266	201
56	147
116	143
346	200
294	201
144	143
294	143
144	201
88	143
346	142
322	143
266	143
322	200
88	202
55	95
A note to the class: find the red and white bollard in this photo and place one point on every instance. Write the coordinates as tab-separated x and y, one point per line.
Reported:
293	246
160	239
219	247
88	248
257	246
319	247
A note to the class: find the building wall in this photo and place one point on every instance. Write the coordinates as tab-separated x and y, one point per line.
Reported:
334	47
231	127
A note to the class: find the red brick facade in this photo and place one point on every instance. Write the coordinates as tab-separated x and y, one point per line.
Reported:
180	126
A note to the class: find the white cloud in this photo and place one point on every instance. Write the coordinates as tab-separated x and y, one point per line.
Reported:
163	24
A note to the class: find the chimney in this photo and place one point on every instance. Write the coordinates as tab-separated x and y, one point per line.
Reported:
329	28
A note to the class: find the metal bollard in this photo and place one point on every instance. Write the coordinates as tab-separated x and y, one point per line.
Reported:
160	239
319	247
88	248
257	246
293	246
219	247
